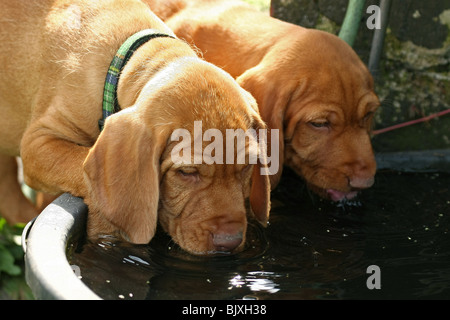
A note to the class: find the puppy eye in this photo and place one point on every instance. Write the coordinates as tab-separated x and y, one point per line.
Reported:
320	124
366	120
368	116
188	172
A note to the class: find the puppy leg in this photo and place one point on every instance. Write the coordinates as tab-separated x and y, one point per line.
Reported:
14	206
52	164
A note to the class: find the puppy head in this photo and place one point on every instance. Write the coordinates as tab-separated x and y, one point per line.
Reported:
203	196
320	95
134	180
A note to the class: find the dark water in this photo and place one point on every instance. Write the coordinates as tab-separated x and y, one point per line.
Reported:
312	249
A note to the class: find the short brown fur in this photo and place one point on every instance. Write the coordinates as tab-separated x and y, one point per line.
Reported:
308	84
55	56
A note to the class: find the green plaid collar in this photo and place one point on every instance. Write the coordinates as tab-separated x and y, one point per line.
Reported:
110	103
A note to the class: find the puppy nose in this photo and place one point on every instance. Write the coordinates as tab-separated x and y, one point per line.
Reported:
361	182
362	176
227	242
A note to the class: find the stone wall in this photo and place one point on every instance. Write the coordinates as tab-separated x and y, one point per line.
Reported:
414	75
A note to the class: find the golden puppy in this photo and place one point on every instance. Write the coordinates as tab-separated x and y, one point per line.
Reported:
308	84
55	56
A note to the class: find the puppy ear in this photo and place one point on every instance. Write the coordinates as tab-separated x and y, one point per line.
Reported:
122	175
260	188
272	102
260	195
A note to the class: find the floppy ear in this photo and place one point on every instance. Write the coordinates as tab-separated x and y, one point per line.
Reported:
260	188
260	195
272	100
122	175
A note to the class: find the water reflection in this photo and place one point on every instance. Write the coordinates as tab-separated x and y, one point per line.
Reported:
256	281
310	250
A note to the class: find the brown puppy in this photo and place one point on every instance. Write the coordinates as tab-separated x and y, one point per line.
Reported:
308	84
55	56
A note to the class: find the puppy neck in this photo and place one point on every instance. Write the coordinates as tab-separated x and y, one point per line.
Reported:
145	63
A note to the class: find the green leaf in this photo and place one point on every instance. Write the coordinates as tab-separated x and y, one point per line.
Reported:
13	287
7	262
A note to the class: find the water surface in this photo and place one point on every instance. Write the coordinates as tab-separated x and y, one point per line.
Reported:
312	249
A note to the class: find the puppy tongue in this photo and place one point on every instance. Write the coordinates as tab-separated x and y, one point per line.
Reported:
336	195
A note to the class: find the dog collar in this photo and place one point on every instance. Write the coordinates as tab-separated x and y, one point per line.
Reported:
126	50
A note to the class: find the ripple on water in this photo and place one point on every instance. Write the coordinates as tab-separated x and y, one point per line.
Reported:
311	249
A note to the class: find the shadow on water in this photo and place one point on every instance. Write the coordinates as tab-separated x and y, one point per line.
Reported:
312	249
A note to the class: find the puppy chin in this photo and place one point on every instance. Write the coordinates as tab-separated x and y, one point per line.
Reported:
332	194
336	195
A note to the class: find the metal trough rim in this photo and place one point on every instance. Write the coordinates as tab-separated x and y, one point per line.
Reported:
45	240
